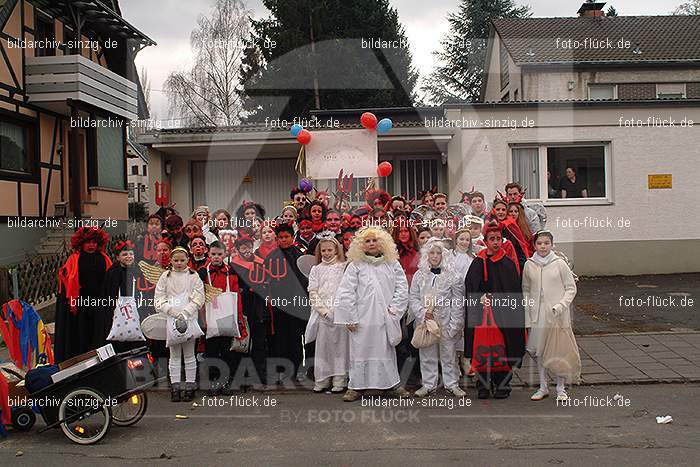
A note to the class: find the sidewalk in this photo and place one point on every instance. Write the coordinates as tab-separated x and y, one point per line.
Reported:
631	358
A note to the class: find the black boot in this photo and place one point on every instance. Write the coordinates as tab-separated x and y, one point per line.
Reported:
188	392
175	392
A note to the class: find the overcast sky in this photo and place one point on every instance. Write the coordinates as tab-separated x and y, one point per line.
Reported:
169	23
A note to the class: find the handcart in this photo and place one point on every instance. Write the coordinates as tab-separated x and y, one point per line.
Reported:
85	404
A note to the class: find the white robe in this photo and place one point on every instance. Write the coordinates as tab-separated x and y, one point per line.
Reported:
462	261
446	291
368	295
332	340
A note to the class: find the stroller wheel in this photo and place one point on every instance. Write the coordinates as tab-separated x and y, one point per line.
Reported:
131	410
23	418
85	419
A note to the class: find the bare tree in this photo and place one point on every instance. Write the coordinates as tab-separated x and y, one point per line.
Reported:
207	94
146	86
692	7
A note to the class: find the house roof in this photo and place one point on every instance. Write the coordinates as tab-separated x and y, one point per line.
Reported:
658	39
100	16
139	149
568	103
402	117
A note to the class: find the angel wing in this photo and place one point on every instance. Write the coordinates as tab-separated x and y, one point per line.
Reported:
211	292
458	210
151	272
420	213
305	263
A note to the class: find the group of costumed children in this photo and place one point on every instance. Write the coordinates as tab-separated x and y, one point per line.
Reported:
479	285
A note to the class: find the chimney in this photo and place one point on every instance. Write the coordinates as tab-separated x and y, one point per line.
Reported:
591	9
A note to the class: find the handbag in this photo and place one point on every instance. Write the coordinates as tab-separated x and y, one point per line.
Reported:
242	345
489	353
560	353
426	334
126	322
176	334
222	313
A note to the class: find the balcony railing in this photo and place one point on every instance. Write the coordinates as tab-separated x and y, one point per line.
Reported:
52	81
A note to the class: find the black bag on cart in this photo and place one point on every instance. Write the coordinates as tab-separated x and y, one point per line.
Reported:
40	377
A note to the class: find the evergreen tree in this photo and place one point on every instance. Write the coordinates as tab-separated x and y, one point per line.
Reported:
312	54
611	11
459	75
692	7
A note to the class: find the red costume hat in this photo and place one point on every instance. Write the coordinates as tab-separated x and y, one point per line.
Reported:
86	234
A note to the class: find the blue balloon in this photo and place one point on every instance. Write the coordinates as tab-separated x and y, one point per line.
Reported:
295	129
384	125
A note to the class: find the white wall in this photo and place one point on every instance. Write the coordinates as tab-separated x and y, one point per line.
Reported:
481	157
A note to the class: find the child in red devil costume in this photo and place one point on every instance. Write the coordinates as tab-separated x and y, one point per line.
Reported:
79	294
493	282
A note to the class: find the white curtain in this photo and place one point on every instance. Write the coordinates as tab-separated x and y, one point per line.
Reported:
526	170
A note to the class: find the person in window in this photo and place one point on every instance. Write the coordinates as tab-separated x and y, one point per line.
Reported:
572	186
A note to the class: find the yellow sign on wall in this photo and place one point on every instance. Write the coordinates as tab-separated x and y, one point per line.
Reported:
660	181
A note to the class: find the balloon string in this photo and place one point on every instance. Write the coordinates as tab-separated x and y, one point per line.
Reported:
300	165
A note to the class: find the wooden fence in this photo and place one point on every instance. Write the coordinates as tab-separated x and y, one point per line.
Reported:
35	280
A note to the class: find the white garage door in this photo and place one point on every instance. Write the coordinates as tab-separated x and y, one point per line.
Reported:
225	184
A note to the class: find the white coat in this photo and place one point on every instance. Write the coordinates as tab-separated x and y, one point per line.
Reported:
547	290
369	295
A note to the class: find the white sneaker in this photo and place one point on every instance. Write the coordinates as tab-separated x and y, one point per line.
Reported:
540	394
562	395
320	387
457	391
423	391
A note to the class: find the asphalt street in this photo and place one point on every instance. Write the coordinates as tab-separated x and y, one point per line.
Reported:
605	425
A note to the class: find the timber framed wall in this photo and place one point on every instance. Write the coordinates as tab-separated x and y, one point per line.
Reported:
43	179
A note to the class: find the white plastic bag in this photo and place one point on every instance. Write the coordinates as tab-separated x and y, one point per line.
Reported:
222	313
126	323
192	331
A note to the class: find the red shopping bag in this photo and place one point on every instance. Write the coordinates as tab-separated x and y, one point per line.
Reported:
489	353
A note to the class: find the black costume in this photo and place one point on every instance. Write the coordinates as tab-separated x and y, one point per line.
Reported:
496	275
253	290
76	331
289	298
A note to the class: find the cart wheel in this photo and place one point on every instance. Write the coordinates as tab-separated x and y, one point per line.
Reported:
23	418
85	419
131	410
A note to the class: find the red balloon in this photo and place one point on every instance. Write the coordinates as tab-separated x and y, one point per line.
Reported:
384	169
368	120
304	137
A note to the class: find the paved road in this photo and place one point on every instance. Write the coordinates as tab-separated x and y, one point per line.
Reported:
617	304
307	429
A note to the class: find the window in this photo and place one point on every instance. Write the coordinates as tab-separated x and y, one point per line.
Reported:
45	36
670	91
582	170
144	170
503	57
15	149
110	158
134	170
577	168
602	91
